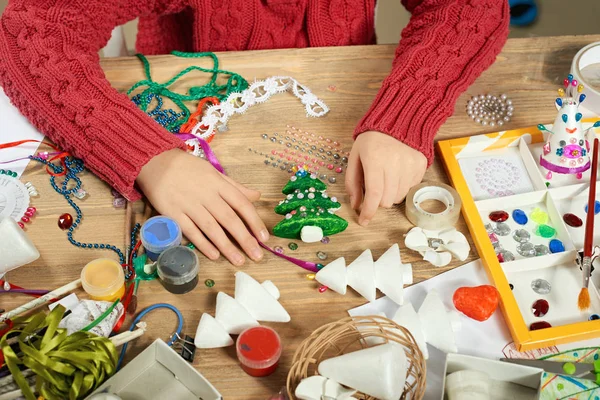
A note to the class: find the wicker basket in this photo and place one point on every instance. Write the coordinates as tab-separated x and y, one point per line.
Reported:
348	335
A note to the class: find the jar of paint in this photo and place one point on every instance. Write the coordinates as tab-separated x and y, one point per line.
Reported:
103	280
259	349
159	234
177	269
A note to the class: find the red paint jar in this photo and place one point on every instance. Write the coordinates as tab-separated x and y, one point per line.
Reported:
259	349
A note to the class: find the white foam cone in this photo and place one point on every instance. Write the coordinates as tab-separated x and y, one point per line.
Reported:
361	275
437	323
407	317
334	276
319	387
388	274
378	371
232	315
210	334
16	249
257	300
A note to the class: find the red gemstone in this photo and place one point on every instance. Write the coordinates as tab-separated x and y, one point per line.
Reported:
540	308
498	216
323	289
65	221
539	325
572	220
500	257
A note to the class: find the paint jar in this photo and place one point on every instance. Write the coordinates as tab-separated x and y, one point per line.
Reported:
177	269
159	234
259	349
103	280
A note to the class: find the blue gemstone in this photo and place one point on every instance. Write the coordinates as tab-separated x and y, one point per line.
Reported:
596	208
556	246
520	217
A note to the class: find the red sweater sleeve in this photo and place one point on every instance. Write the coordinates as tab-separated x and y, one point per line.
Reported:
445	47
49	68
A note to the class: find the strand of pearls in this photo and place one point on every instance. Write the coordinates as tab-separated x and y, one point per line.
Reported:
490	110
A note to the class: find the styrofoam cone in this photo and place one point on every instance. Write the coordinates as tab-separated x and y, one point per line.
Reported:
15	247
257	300
437	323
232	315
210	334
407	317
388	274
378	371
317	387
334	275
271	288
407	274
361	275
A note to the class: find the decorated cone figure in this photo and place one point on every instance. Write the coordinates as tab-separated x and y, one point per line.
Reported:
566	150
308	209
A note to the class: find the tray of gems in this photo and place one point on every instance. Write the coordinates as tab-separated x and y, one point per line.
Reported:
528	226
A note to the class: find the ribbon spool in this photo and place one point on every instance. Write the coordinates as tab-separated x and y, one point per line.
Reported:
585	57
433	191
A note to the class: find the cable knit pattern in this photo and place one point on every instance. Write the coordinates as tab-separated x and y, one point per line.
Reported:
50	69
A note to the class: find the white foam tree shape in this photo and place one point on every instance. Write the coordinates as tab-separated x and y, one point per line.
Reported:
253	302
432	324
438	247
387	274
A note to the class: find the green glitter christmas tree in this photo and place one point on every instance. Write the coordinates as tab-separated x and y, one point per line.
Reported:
307	204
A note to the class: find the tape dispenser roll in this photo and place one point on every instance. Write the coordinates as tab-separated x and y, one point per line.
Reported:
433	191
587	56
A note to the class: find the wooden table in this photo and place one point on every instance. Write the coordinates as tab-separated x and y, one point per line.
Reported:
347	79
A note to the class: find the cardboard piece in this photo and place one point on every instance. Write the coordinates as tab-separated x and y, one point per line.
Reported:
159	373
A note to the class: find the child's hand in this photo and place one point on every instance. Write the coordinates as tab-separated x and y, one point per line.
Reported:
205	204
386	168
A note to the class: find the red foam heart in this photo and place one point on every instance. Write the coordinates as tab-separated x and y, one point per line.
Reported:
478	302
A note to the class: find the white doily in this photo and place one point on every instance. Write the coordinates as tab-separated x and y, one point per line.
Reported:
260	91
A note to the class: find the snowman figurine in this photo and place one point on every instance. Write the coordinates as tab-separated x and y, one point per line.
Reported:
566	150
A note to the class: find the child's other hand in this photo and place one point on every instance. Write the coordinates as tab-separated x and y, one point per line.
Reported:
380	172
205	204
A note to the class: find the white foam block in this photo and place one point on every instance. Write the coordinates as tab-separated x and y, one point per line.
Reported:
257	300
232	315
361	275
210	334
437	323
388	274
334	276
407	317
378	371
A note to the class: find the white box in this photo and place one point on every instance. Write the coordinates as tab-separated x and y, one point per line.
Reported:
159	373
528	378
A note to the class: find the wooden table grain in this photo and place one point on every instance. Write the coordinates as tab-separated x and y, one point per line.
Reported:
347	79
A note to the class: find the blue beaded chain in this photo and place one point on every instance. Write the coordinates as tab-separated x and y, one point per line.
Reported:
167	118
74	166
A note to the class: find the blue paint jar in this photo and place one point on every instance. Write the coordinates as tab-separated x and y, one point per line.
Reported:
159	234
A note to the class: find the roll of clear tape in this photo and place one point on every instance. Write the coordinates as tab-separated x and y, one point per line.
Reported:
433	191
587	56
468	385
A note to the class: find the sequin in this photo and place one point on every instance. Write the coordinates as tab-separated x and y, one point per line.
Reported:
540	308
545	231
332	179
293	246
265	136
539	325
336	156
572	220
65	221
541	250
338	170
521	236
539	216
526	249
278	249
322	255
556	246
541	286
498	216
325	240
344	159
273	139
209	283
520	217
502	229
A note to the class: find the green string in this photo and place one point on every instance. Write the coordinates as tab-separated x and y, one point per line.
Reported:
235	83
102	317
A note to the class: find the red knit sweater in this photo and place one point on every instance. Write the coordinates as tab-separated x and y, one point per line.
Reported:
49	63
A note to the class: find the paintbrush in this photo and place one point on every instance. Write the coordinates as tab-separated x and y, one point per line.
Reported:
583	301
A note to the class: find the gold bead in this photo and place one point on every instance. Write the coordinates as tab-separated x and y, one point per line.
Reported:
310	276
561	92
580	88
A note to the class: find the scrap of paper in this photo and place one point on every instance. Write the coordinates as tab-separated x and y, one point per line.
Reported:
16	127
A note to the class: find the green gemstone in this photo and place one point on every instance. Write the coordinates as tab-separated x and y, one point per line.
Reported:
2	172
209	283
190	246
547	184
320	266
293	246
545	231
14	174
